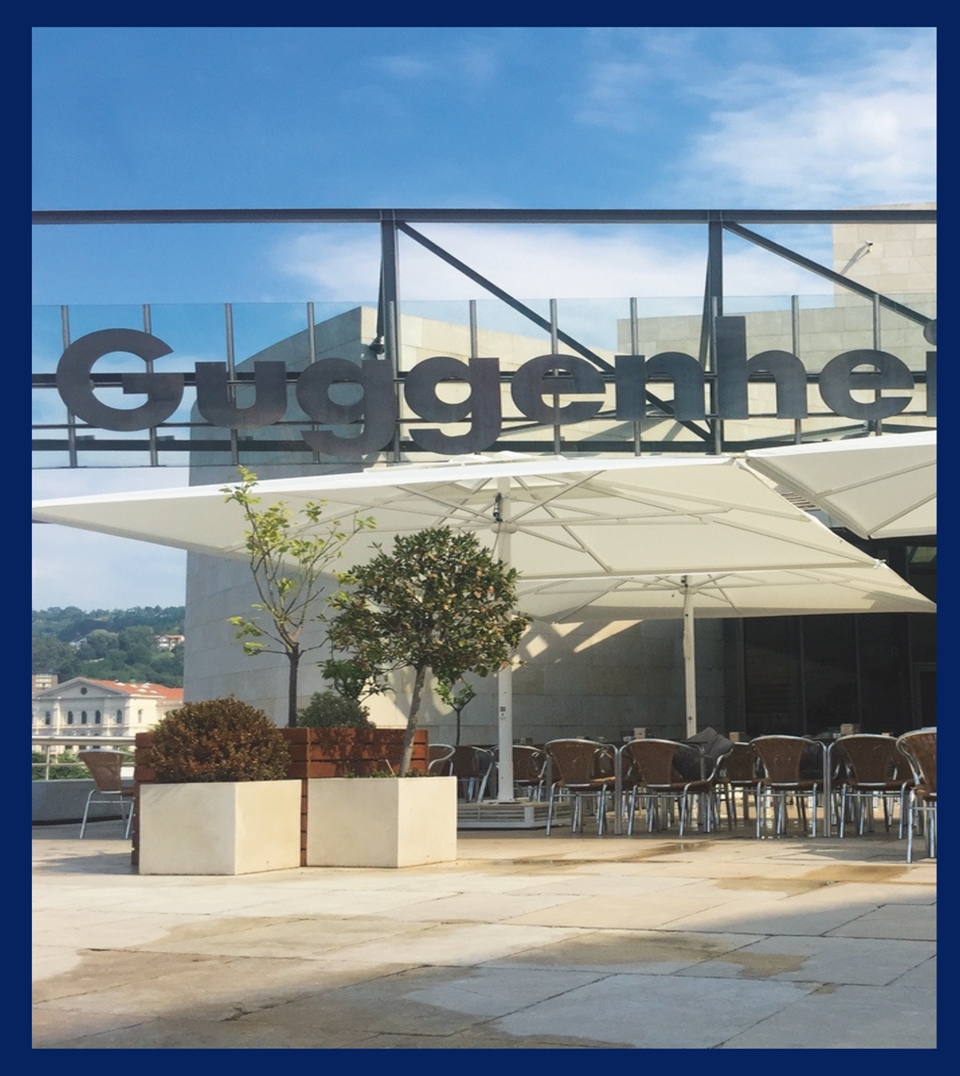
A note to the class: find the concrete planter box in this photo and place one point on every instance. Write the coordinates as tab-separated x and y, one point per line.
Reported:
381	822
229	827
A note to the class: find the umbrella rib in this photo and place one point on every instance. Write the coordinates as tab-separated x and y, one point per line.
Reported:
873	480
903	512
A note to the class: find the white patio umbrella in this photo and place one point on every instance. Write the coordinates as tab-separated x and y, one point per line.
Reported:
878	487
623	538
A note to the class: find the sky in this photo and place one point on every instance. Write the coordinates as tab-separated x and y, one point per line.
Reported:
459	117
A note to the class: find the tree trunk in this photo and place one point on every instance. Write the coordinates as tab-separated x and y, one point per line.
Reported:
407	755
293	657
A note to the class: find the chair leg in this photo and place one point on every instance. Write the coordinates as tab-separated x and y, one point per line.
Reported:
86	811
910	825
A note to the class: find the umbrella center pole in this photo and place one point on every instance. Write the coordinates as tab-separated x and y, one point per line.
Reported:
504	676
689	660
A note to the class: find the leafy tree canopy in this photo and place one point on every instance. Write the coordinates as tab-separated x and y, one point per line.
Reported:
439	602
290	558
117	645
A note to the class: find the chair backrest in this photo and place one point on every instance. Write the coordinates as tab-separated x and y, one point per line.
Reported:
605	760
104	767
470	761
572	761
870	759
920	748
528	763
783	756
440	758
652	761
739	764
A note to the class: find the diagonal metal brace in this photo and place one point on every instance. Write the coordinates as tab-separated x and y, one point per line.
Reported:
830	274
505	296
533	316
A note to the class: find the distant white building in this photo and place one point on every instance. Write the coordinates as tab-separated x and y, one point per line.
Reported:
101	707
168	642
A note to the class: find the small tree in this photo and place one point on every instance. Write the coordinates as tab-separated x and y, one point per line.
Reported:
456	700
288	559
330	709
439	601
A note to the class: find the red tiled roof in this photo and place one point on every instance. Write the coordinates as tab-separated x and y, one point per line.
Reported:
152	691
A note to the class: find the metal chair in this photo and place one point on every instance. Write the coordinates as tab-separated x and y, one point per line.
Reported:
871	768
529	771
441	755
653	770
738	772
920	749
574	769
105	769
783	759
472	766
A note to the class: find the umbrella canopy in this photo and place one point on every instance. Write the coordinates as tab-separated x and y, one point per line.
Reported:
566	518
855	589
878	487
617	538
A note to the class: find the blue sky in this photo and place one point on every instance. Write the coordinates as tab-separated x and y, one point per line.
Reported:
522	117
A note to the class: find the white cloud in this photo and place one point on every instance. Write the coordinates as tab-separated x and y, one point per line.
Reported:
851	121
537	262
820	144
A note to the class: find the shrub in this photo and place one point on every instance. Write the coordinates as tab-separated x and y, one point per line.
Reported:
328	709
218	740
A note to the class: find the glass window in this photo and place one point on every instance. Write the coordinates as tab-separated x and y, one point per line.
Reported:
69	717
96	717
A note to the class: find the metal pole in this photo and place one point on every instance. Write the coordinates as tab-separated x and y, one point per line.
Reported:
689	659
715	309
312	345
148	328
634	348
390	276
504	676
877	423
795	342
554	346
474	332
231	379
72	460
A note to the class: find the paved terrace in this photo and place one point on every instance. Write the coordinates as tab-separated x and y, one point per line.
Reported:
526	942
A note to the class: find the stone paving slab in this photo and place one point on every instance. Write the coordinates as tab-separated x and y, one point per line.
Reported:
657	1013
647	952
850	961
525	942
847	1018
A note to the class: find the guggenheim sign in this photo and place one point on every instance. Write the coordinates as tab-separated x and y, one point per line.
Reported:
549	389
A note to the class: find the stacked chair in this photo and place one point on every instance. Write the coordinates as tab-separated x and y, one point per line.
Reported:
579	770
920	749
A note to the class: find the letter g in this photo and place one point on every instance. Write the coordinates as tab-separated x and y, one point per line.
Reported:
164	391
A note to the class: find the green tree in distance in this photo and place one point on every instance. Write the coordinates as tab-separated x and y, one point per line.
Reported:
439	601
289	559
456	700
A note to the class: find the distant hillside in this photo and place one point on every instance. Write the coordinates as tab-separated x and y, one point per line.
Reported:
117	644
